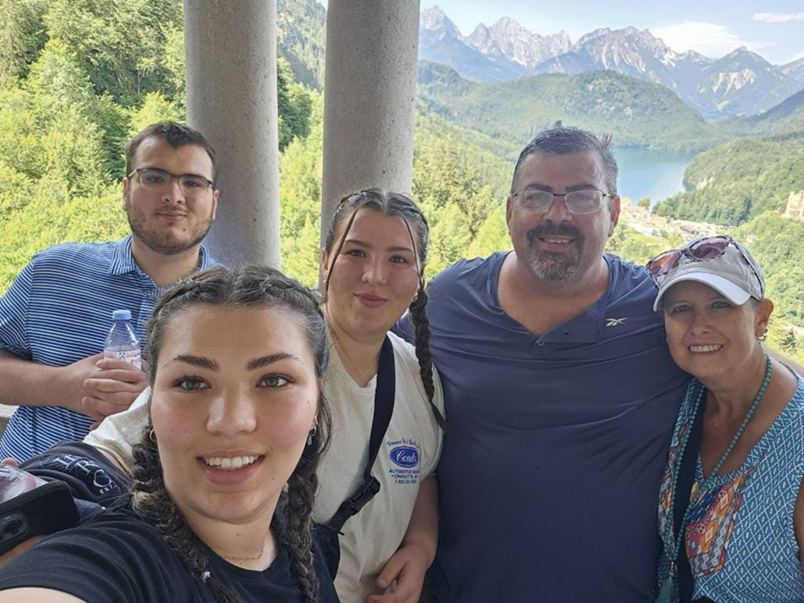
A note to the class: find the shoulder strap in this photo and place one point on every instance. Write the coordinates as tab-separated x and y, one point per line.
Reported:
383	409
686	477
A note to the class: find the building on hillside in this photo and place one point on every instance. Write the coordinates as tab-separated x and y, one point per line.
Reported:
692	230
795	206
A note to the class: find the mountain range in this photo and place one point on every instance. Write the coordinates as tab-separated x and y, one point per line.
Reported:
740	83
638	113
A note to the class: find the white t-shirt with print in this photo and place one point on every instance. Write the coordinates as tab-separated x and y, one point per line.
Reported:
408	454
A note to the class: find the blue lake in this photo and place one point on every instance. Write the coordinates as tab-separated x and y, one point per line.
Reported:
654	174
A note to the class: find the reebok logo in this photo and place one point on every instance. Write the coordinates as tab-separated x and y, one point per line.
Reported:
613	322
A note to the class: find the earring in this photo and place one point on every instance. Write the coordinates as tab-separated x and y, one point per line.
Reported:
311	433
152	436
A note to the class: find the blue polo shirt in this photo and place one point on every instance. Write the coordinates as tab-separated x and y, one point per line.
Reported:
550	472
59	310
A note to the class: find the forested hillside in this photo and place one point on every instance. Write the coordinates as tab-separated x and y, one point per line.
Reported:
784	118
739	180
635	112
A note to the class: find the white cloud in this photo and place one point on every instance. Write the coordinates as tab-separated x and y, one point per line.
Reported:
710	39
778	17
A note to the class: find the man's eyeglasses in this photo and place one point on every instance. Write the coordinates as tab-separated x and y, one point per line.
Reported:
158	181
584	201
700	250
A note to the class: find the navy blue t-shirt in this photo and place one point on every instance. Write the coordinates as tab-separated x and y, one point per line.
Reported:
550	472
116	556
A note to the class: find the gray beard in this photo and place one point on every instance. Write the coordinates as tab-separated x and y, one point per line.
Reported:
553	265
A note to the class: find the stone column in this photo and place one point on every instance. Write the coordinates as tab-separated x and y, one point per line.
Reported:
230	50
369	94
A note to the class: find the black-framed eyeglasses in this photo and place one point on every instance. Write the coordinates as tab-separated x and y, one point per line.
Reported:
158	181
583	201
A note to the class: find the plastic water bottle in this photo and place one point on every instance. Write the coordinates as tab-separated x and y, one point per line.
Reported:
14	481
122	342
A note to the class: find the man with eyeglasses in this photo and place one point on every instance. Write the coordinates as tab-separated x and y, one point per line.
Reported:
561	396
55	316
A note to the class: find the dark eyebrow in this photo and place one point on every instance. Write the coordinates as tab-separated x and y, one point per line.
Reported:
549	189
264	361
580	187
538	187
158	169
199	361
360	243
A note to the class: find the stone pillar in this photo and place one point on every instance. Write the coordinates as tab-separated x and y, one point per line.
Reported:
369	94
230	50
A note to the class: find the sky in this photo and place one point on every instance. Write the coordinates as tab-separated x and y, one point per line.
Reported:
773	29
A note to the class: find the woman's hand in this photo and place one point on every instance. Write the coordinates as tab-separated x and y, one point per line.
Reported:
404	571
404	574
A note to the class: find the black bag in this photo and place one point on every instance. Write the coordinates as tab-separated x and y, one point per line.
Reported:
383	409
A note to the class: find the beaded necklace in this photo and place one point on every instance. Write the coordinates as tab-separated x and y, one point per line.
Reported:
666	590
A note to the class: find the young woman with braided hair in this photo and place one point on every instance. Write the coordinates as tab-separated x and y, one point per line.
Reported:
373	262
236	411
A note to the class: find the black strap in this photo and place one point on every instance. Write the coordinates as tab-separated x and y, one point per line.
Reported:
383	409
686	477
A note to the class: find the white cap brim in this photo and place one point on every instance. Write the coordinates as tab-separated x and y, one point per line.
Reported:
736	295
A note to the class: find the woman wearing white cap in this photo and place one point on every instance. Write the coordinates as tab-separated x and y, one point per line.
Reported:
731	512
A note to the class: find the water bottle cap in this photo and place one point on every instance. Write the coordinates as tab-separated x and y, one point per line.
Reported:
121	315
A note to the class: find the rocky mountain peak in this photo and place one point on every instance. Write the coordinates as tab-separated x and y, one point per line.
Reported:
435	19
509	39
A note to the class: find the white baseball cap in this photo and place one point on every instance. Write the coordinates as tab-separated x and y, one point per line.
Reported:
734	273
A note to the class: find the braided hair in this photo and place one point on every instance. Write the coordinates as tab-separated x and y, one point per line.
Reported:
247	286
392	204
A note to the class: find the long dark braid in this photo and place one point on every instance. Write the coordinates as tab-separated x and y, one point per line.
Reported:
392	204
293	525
247	286
421	324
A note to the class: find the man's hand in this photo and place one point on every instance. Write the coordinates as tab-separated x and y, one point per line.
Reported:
71	382
112	388
407	567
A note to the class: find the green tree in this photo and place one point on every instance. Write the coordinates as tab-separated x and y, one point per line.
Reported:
118	44
155	107
21	37
300	167
295	106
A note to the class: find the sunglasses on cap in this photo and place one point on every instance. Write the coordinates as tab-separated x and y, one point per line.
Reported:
700	250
